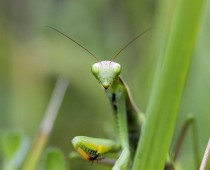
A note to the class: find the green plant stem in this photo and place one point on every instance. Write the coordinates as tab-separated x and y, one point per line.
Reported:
190	122
195	140
168	87
205	165
46	125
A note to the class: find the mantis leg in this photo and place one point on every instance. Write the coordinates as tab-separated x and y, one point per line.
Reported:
93	148
190	122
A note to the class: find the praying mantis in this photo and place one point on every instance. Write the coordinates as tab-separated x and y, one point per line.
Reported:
129	118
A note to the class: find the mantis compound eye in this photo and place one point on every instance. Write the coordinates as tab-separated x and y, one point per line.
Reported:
95	69
117	68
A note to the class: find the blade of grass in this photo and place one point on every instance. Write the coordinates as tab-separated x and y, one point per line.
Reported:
168	87
205	162
46	125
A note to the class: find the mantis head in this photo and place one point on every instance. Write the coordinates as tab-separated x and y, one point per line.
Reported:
106	72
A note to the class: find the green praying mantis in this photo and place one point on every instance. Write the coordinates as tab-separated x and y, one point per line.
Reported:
129	119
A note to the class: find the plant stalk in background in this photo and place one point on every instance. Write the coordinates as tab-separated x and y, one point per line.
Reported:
168	87
46	125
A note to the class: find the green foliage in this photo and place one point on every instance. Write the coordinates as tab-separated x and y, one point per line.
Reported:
13	147
169	86
53	159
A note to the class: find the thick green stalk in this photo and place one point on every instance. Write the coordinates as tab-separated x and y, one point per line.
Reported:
168	87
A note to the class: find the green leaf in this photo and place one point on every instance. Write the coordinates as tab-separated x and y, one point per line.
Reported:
13	147
169	86
53	160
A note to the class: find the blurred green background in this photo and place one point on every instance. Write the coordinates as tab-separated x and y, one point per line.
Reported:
33	56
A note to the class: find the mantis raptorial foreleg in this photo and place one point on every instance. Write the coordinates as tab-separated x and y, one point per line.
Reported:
92	148
124	110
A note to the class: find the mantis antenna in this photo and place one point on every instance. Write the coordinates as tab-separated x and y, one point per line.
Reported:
129	43
73	41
